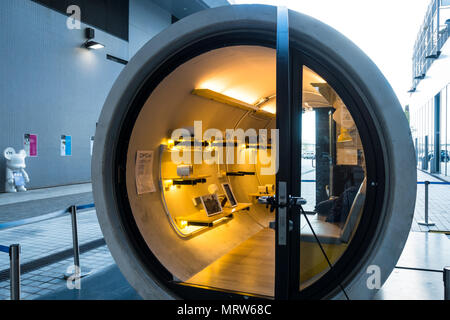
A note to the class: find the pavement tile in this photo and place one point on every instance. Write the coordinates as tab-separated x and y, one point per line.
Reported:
41	239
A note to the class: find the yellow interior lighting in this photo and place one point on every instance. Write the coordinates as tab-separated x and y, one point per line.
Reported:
168	185
344	136
183	224
221	98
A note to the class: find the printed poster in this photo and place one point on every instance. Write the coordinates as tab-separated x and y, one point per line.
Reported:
30	142
144	172
66	146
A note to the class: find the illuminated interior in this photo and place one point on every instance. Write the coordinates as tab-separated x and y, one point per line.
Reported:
233	248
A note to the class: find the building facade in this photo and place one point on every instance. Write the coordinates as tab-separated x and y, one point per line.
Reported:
429	106
52	88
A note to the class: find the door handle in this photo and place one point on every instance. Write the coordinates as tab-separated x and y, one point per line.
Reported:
282	213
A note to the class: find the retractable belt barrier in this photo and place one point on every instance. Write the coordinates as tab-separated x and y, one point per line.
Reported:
52	215
436	182
418	182
15	249
4	249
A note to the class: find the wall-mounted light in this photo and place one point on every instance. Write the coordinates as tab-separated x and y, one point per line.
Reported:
91	44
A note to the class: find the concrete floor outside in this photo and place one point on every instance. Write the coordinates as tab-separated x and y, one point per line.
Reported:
50	241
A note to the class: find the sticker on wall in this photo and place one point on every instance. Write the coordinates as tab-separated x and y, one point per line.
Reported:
144	172
30	142
92	145
66	146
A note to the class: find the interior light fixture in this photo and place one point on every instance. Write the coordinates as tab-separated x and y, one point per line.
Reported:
91	44
168	185
219	97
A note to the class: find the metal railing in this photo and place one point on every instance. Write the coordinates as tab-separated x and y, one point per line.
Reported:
14	267
427	222
14	250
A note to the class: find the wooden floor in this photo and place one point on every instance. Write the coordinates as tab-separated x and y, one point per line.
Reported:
248	268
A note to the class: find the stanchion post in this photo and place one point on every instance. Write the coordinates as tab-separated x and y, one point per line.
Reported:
426	223
14	259
76	248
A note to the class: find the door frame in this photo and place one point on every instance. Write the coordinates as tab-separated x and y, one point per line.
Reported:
289	81
283	183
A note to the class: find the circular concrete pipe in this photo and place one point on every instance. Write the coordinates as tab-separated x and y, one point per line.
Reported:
234	48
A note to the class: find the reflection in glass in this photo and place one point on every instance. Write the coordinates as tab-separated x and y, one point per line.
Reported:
333	177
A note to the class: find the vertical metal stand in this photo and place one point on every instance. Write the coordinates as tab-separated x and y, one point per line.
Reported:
14	259
76	249
447	283
426	223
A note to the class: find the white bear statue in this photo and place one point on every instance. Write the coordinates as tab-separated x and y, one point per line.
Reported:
16	176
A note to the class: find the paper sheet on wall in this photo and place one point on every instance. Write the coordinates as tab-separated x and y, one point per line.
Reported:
144	172
347	157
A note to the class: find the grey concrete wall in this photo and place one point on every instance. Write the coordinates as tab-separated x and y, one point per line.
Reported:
50	86
146	20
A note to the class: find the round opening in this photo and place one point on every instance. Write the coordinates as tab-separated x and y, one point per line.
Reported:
190	152
209	128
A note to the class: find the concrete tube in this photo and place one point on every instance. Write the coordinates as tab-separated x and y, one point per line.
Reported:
145	103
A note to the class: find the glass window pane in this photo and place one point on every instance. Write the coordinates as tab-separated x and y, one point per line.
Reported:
333	178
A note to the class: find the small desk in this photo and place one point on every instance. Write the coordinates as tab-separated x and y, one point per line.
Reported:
200	218
255	196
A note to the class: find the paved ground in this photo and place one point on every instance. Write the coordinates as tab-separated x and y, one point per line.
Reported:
51	237
106	284
46	193
438	204
18	206
49	279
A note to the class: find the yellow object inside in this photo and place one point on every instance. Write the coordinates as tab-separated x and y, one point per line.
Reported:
235	249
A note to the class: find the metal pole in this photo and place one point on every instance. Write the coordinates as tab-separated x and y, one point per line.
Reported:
427	185
76	248
14	259
426	223
447	283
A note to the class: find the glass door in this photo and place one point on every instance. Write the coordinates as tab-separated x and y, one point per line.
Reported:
287	178
321	178
332	181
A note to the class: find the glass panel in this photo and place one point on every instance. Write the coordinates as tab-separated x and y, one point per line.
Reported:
443	132
209	129
333	177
